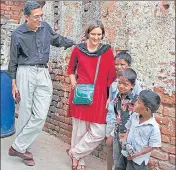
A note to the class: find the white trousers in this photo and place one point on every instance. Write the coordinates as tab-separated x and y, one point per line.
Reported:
86	136
35	88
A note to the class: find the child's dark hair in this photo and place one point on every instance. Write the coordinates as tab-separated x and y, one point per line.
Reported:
150	99
130	74
125	56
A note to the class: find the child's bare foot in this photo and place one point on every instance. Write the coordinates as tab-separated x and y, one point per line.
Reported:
81	167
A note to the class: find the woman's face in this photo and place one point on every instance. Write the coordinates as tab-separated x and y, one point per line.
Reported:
95	37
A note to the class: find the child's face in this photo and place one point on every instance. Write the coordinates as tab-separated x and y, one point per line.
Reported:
124	85
121	64
139	107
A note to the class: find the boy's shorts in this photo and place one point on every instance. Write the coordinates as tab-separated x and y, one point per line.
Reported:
109	130
130	165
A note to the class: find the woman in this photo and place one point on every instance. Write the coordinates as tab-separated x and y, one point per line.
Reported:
89	121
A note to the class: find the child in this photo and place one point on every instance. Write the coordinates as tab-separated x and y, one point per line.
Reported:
123	61
122	106
143	134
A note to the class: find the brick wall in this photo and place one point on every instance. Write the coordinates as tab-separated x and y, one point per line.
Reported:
147	30
12	10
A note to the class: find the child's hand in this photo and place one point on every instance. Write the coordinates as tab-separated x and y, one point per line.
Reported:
118	120
107	103
132	156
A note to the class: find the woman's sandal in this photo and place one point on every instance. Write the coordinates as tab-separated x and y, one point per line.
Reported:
74	167
81	167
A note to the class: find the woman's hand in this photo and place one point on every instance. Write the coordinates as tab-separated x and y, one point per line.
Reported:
73	80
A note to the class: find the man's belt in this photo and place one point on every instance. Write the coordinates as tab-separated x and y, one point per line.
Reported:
40	65
36	65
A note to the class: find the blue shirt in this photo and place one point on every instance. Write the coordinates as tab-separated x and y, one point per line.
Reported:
146	134
30	48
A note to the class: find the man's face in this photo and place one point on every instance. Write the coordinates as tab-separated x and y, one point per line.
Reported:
121	64
124	85
35	18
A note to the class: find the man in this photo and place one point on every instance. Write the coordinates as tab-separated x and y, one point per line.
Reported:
31	83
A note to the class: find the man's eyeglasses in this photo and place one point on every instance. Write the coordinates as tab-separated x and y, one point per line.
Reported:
38	17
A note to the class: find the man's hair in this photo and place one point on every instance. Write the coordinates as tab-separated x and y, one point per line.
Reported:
93	25
125	56
130	74
29	6
150	99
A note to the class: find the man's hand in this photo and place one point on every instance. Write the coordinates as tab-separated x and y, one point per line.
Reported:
14	88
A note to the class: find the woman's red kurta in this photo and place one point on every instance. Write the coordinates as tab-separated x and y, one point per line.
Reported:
86	67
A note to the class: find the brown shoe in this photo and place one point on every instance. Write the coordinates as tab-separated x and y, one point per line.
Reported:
25	156
29	162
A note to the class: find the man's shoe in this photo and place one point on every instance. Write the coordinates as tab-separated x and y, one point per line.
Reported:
25	156
29	162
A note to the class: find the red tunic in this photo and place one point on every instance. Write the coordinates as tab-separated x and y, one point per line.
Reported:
86	67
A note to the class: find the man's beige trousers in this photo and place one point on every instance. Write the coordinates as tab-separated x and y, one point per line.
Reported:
35	88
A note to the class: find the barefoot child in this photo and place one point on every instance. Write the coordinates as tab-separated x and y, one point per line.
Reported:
123	61
143	133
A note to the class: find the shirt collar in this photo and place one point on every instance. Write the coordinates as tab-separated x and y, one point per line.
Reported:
151	121
24	28
128	96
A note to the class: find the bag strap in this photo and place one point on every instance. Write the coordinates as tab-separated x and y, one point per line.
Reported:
97	68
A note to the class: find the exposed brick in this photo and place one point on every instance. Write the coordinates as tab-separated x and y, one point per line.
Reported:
9	3
169	111
172	159
168	148
162	120
160	110
4	7
2	12
16	17
65	107
166	166
166	131
67	88
68	134
165	139
173	140
153	163
16	12
60	105
67	120
165	98
160	155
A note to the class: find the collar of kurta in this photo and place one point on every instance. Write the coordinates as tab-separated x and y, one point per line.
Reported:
98	52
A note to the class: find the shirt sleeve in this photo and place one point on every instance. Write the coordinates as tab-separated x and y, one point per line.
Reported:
72	66
13	63
155	137
137	87
111	118
112	71
59	41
